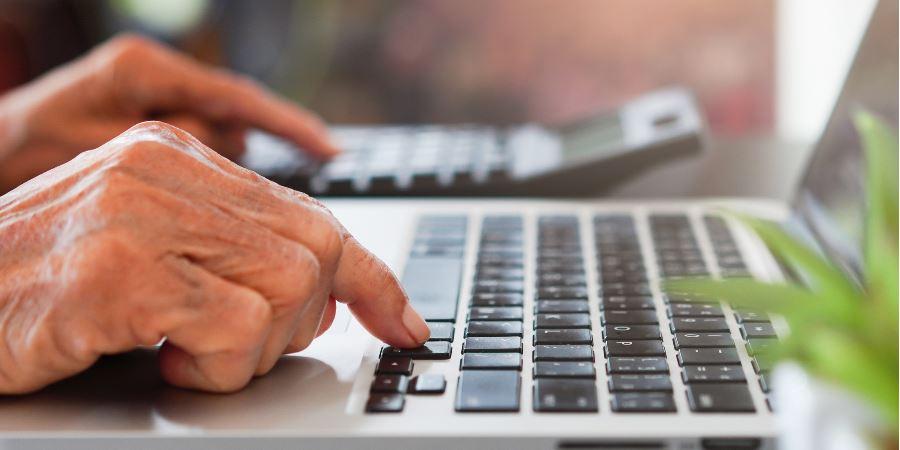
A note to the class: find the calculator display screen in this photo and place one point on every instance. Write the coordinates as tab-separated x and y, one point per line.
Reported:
591	137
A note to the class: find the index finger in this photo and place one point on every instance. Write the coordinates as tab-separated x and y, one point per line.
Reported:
375	297
174	82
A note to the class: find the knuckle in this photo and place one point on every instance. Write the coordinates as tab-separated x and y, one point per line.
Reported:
253	320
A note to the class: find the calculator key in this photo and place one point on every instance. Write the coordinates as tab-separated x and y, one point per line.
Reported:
500	273
757	330
560	279
563	353
624	289
713	374
389	365
634	348
693	340
565	395
506	299
565	320
561	306
491	361
756	346
572	336
628	317
389	383
695	310
441	331
630	332
639	382
385	403
698	324
498	313
488	391
646	364
564	369
695	356
642	402
427	383
429	350
493	344
720	397
617	302
482	328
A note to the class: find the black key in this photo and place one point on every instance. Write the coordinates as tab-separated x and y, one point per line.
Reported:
758	346
491	361
564	369
720	397
640	382
565	395
508	299
551	336
713	374
646	364
481	328
617	302
563	353
429	350
695	356
498	286
698	324
385	403
493	344
488	390
389	383
492	313
560	279
389	365
427	383
441	331
432	284
630	332
642	402
695	340
556	293
695	310
622	289
634	348
499	273
561	306
567	320
751	316
757	330
608	317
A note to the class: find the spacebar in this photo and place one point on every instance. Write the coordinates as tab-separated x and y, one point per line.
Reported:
432	284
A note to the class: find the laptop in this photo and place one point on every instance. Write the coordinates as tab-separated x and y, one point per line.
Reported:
549	330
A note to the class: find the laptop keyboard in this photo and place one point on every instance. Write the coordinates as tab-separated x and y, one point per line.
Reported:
564	366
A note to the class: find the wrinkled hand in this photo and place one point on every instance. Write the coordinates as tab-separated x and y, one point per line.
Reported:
155	236
127	80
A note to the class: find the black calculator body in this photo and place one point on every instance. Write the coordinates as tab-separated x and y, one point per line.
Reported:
583	158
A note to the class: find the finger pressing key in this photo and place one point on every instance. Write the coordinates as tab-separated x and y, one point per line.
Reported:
375	297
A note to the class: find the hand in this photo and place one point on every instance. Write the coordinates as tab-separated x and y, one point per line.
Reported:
154	236
127	80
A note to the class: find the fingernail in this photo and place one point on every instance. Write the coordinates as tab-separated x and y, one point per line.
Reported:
415	325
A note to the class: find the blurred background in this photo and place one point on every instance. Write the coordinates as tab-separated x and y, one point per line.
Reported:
765	72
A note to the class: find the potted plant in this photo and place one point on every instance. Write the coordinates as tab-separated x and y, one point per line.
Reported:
843	331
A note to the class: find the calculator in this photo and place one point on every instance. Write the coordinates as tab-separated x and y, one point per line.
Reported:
585	157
